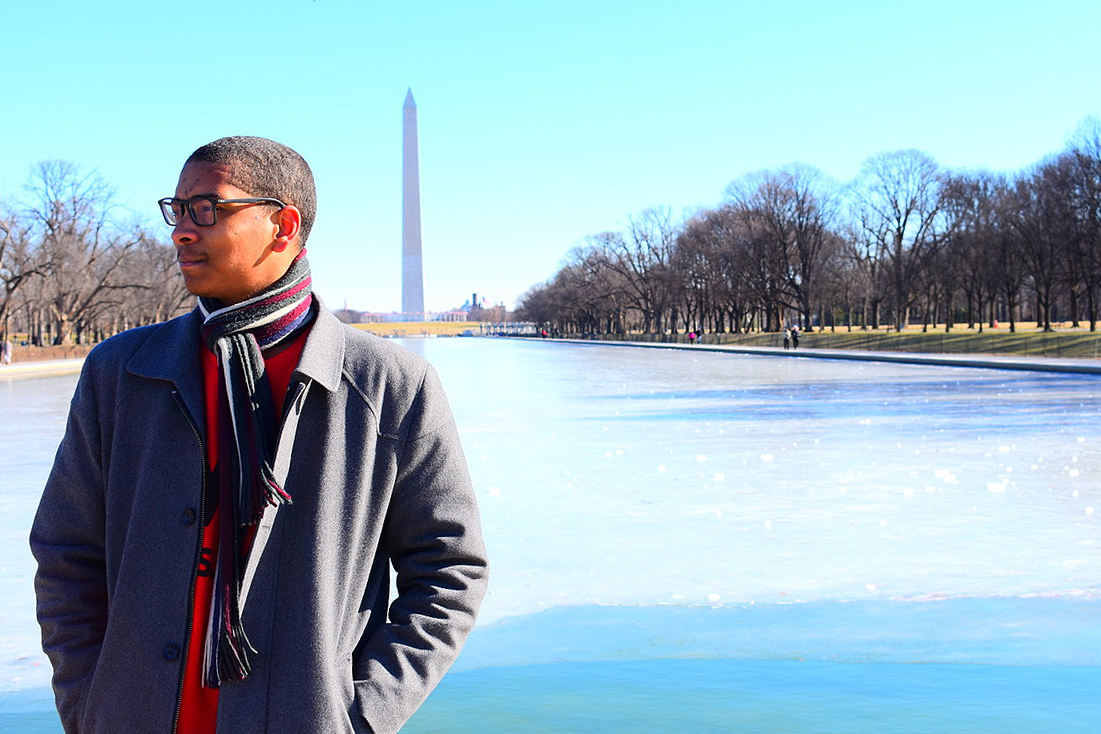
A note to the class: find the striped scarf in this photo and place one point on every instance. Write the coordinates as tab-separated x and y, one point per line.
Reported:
247	426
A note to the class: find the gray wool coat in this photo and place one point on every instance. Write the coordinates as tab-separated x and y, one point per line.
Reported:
370	455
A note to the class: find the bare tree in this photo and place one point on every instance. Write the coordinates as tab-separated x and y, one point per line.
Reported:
1042	220
792	210
18	263
768	263
537	306
971	207
712	256
84	251
1008	269
863	262
591	293
587	295
1085	172
847	279
157	292
642	257
897	205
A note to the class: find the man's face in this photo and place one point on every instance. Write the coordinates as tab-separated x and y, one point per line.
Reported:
234	259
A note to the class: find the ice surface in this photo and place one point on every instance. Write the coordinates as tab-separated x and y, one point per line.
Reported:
612	475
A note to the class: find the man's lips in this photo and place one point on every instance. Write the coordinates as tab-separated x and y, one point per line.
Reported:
189	260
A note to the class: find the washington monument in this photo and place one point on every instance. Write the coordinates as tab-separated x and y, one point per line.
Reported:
412	276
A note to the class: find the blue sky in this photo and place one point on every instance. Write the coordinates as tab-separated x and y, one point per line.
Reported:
539	123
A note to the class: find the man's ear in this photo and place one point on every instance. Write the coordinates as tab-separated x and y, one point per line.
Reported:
290	226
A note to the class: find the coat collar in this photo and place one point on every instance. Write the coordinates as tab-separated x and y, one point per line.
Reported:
323	356
172	353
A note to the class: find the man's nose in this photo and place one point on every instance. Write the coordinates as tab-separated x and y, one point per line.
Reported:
184	231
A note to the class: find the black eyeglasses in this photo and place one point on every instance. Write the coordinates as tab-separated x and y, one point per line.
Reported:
203	209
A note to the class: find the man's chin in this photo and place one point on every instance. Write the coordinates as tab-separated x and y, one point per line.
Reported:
196	288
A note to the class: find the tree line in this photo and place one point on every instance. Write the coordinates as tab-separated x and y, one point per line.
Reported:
75	266
905	242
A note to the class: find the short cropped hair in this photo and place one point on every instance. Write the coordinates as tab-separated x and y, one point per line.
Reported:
265	168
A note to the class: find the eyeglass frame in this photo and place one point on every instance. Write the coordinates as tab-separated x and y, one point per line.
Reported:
166	203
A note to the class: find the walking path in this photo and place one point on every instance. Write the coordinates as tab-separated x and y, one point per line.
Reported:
44	368
1034	364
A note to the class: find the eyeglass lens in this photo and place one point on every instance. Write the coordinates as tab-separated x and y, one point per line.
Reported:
203	211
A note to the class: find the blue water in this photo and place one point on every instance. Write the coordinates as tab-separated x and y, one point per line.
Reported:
758	696
745	696
965	665
691	541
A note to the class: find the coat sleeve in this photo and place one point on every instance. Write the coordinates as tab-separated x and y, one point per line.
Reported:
67	540
432	534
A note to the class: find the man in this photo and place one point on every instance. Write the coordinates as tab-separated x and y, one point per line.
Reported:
215	539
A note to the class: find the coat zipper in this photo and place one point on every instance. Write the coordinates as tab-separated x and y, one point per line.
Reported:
186	643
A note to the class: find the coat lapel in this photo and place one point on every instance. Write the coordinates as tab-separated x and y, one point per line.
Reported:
322	362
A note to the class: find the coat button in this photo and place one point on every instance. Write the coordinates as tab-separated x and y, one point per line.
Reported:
189	516
170	652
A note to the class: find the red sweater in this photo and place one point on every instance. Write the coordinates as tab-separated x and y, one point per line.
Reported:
199	704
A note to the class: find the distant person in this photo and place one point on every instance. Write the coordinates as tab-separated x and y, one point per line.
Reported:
216	537
795	336
9	348
691	337
787	338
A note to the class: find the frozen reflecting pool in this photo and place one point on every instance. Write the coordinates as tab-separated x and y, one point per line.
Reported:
614	475
725	512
